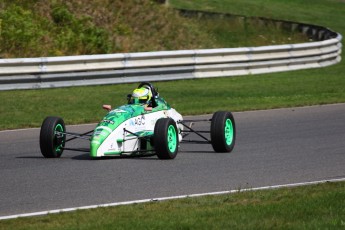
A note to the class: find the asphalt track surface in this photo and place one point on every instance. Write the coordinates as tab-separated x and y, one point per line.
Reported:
273	147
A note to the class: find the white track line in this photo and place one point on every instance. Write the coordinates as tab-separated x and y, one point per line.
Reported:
166	198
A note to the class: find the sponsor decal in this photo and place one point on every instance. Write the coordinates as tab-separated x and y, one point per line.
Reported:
119	111
95	142
139	120
97	133
112	148
109	121
102	131
104	128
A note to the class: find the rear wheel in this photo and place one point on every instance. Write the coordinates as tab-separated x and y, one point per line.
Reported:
52	137
166	138
223	131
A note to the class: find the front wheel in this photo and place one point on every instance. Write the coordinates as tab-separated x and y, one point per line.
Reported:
223	131
52	137
165	138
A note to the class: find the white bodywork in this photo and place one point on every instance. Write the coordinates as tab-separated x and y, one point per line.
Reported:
121	142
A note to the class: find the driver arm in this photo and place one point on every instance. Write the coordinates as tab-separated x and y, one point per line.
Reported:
107	107
148	106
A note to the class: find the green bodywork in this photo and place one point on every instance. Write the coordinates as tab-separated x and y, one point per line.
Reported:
116	117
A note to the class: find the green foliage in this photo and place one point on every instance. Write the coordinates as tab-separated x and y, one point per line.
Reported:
19	30
62	16
52	28
79	34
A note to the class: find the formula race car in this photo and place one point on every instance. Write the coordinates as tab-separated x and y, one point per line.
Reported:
145	126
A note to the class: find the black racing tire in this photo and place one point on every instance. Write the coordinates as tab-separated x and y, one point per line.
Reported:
165	138
223	131
52	142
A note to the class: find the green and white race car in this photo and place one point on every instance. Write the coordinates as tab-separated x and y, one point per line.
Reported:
145	126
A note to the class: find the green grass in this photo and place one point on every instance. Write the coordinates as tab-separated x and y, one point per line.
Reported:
28	108
311	207
327	13
237	31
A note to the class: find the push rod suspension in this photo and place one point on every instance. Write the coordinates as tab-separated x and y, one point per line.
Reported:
196	132
76	135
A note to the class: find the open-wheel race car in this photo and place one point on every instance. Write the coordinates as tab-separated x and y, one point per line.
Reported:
145	126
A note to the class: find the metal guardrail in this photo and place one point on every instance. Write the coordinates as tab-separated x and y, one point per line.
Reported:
51	72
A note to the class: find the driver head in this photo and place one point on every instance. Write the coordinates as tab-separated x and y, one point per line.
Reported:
141	95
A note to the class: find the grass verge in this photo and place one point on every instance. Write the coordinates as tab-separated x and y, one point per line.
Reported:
28	108
319	206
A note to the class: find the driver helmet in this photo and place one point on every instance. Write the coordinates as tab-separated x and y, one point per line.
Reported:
141	96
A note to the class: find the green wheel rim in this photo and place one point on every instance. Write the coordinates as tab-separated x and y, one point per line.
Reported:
58	147
172	139
228	132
